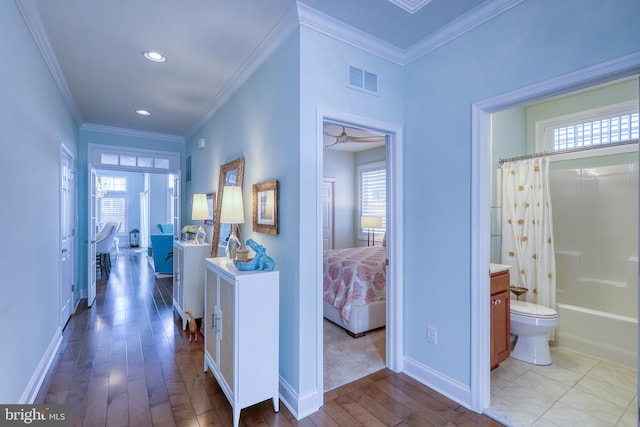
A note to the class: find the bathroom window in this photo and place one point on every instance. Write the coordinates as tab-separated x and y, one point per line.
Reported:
601	128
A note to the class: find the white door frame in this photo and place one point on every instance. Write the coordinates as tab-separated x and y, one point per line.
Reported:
94	161
91	236
394	355
68	254
481	192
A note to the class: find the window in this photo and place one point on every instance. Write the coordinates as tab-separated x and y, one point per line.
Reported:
171	206
599	128
113	183
112	209
112	201
372	194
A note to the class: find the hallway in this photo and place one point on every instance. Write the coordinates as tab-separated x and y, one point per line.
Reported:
126	362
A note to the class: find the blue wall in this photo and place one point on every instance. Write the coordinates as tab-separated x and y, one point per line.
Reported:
34	122
530	43
261	122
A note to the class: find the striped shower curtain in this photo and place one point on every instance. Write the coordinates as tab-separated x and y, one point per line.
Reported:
527	229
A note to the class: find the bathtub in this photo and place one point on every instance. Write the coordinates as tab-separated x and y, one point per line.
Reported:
596	333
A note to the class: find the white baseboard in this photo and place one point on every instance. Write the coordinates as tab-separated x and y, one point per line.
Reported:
299	406
32	389
438	382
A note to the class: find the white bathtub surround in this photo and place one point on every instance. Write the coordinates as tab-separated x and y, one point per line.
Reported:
600	334
527	229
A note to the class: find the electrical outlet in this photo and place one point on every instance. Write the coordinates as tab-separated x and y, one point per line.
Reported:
432	335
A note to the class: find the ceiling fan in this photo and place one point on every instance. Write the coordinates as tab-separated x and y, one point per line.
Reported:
344	138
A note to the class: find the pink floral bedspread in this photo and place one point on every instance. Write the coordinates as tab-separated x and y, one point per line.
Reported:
353	277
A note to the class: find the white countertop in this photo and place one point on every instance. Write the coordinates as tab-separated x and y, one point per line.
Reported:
497	268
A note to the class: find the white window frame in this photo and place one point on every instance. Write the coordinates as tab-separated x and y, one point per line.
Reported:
544	131
363	168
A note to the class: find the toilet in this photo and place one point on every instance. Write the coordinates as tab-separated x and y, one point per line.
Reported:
531	323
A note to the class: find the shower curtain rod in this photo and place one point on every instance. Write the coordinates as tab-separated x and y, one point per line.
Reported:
574	150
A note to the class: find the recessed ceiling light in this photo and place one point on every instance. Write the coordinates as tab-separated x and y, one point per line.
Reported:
154	56
143	112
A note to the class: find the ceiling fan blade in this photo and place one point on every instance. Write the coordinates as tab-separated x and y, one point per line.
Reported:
331	145
332	136
367	138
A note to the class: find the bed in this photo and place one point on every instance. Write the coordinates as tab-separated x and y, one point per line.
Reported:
354	288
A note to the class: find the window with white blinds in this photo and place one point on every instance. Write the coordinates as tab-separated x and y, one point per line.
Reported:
372	194
112	200
171	206
112	208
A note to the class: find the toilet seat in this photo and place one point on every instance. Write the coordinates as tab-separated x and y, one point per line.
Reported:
528	309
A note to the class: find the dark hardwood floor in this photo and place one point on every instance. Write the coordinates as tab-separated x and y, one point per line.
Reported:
126	362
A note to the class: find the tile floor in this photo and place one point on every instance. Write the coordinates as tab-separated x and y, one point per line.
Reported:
576	390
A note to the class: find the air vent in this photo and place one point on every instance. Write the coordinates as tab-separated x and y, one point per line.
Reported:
363	80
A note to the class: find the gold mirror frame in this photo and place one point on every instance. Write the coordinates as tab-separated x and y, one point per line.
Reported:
236	165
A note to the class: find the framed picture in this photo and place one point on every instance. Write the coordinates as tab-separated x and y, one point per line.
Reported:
211	201
265	207
188	174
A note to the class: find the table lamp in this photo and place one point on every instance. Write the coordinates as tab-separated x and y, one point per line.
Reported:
371	222
232	212
200	212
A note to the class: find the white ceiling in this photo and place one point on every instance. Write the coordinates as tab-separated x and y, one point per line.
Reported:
94	49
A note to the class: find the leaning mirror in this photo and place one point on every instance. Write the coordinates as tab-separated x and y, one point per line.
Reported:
230	174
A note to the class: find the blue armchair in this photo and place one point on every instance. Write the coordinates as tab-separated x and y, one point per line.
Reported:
162	247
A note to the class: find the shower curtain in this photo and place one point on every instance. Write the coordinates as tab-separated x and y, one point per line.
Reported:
527	229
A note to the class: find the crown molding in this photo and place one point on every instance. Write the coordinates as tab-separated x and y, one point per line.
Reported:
287	25
411	6
324	24
112	130
614	69
467	22
32	19
331	27
299	15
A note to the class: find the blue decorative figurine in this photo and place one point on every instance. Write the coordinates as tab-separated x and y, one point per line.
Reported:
260	262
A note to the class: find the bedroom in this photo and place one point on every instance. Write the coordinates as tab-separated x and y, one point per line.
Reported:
354	188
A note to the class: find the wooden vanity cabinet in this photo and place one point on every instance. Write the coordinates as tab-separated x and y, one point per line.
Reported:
500	318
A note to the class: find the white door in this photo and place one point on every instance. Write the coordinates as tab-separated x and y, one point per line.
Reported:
327	213
91	241
67	232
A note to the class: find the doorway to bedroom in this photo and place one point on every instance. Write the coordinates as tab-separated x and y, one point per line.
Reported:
354	224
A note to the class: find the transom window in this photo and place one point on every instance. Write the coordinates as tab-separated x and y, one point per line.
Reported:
602	128
619	128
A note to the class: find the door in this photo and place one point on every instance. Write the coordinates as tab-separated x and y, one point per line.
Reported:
211	316
226	333
67	234
91	240
328	185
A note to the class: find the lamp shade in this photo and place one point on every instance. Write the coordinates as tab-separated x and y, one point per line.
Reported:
232	209
200	208
371	222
